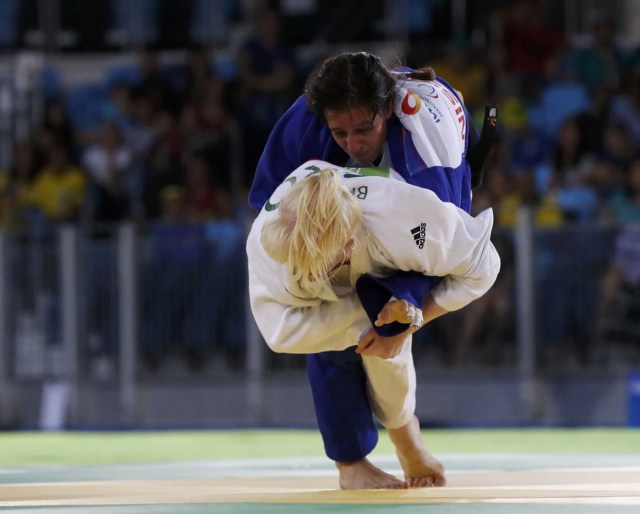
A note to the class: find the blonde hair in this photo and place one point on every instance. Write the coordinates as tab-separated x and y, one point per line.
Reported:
315	221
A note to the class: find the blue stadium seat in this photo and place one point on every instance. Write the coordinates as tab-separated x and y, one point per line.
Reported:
559	101
225	67
50	81
123	73
135	20
9	10
211	20
85	106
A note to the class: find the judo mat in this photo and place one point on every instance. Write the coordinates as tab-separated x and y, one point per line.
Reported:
551	477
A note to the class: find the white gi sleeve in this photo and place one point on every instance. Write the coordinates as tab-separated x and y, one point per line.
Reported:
416	231
472	274
291	324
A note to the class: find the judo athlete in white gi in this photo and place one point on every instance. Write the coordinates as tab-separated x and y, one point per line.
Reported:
356	112
318	233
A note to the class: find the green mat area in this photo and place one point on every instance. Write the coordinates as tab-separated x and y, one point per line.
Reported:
31	448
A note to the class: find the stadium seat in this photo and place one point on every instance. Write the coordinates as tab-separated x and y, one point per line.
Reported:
84	103
9	10
559	101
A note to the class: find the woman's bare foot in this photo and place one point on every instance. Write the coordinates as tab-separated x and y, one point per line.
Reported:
361	474
421	469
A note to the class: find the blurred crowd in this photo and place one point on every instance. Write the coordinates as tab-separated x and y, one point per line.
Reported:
569	124
149	136
180	145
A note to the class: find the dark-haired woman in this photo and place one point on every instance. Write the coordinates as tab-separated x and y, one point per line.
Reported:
356	111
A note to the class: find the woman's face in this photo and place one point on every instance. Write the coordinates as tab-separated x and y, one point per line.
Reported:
342	257
339	259
359	132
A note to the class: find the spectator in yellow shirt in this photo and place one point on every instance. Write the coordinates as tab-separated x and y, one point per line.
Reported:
59	188
510	194
15	185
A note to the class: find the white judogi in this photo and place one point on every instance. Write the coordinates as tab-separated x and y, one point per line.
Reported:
410	230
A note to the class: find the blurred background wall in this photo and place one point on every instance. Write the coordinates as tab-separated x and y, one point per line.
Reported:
129	132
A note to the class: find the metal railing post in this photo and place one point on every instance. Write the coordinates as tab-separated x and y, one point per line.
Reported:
526	315
128	315
69	281
7	392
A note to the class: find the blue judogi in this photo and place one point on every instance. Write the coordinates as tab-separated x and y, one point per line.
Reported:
338	380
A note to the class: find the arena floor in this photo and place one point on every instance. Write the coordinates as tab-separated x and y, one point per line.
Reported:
477	483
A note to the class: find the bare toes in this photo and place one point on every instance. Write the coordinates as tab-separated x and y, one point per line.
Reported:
429	481
421	482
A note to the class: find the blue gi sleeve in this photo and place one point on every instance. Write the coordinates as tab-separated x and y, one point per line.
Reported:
298	136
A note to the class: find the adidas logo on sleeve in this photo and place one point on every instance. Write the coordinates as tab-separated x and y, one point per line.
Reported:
419	233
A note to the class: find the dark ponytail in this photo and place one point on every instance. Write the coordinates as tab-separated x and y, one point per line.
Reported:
424	73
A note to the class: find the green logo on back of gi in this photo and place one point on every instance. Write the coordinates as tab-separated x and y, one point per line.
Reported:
314	170
273	206
368	172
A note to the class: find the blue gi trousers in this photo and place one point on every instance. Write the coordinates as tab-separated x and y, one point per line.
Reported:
338	379
339	386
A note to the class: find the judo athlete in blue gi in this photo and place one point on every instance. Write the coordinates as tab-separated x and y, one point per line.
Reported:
357	112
